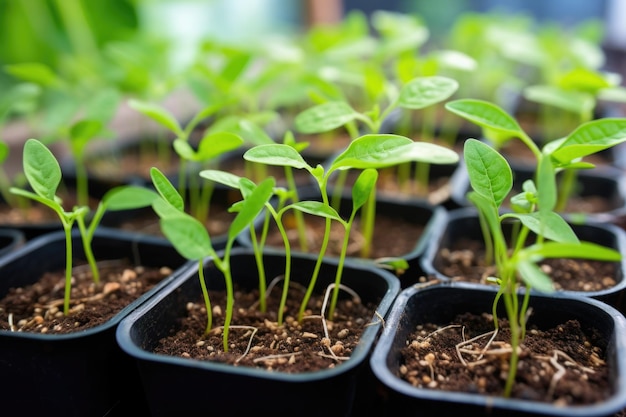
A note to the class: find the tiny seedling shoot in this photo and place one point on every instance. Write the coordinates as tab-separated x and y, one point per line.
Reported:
43	173
191	239
565	153
368	151
492	180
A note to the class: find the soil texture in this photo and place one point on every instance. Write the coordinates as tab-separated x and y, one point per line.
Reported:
564	365
38	308
465	261
258	341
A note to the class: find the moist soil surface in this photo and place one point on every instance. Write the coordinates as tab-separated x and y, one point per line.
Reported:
38	308
260	342
465	261
564	365
393	236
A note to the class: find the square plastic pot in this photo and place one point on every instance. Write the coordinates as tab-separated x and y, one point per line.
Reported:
76	374
440	303
464	223
176	386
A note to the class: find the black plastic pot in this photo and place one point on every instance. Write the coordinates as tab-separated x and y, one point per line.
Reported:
606	183
464	223
10	240
78	374
411	210
176	386
439	304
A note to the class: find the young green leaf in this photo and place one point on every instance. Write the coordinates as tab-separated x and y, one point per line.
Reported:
221	177
546	185
317	208
573	101
128	197
159	115
82	132
165	188
213	145
591	137
489	173
363	187
276	154
549	225
325	117
41	169
188	235
485	114
582	250
425	91
252	206
534	276
379	151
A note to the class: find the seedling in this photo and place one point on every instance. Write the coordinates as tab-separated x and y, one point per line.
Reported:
360	193
191	239
368	151
418	93
211	146
564	153
43	173
492	180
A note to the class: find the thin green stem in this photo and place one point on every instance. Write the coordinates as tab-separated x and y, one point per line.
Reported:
368	220
67	228
318	263
298	215
567	186
205	296
287	274
342	259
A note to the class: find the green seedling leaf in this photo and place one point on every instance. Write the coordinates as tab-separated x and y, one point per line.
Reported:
213	145
184	149
379	151
325	117
425	91
4	152
524	201
159	115
533	276
317	208
253	133
488	209
188	235
41	169
363	187
485	114
52	203
82	132
590	138
583	79
221	177
128	197
582	250
276	154
163	209
165	188
252	206
549	225
572	101
36	73
489	173
546	185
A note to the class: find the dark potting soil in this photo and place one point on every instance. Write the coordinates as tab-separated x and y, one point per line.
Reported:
392	237
465	261
38	308
260	342
564	365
